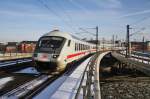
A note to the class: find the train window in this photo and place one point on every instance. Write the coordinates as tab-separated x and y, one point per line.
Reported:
79	46
50	42
75	46
69	42
83	47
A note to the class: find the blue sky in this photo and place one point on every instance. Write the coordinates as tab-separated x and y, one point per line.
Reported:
29	19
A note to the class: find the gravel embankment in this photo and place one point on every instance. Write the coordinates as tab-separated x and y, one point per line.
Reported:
122	83
125	87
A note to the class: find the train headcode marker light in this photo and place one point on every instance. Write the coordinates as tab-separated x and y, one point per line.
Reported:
55	56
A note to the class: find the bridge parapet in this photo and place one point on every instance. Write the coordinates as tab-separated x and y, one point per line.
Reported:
90	79
136	63
137	56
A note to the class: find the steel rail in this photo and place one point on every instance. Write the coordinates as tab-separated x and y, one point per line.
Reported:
6	60
14	62
37	90
15	65
25	88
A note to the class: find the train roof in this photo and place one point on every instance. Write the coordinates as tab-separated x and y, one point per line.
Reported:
63	34
58	33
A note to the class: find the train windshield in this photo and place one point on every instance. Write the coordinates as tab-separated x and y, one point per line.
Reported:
51	42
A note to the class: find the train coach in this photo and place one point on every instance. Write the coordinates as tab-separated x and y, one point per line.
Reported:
56	49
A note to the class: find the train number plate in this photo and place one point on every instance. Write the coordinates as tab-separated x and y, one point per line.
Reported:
44	57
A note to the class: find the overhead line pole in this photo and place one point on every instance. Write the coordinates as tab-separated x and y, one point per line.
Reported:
143	44
128	42
96	39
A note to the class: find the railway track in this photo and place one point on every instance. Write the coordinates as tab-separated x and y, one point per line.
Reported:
36	83
22	88
15	65
32	87
127	83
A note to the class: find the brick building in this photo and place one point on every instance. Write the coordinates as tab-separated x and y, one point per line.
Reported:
139	46
2	47
11	47
27	46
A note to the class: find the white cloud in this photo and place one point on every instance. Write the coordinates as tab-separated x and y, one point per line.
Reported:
27	14
135	13
101	3
108	3
114	4
78	5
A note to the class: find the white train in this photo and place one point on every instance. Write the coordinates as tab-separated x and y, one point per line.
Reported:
56	49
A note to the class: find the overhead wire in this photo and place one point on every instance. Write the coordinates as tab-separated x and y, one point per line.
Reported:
84	10
65	13
141	20
56	14
138	22
47	7
138	32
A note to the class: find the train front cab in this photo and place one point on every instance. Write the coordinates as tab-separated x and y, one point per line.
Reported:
47	55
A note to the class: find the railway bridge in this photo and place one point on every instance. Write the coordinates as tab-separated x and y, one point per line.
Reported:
87	79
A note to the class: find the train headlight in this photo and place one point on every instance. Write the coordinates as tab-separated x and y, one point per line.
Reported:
55	56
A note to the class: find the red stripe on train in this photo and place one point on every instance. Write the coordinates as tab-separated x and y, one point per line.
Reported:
76	54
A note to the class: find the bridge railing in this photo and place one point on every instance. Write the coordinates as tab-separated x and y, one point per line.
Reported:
86	81
89	85
138	56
